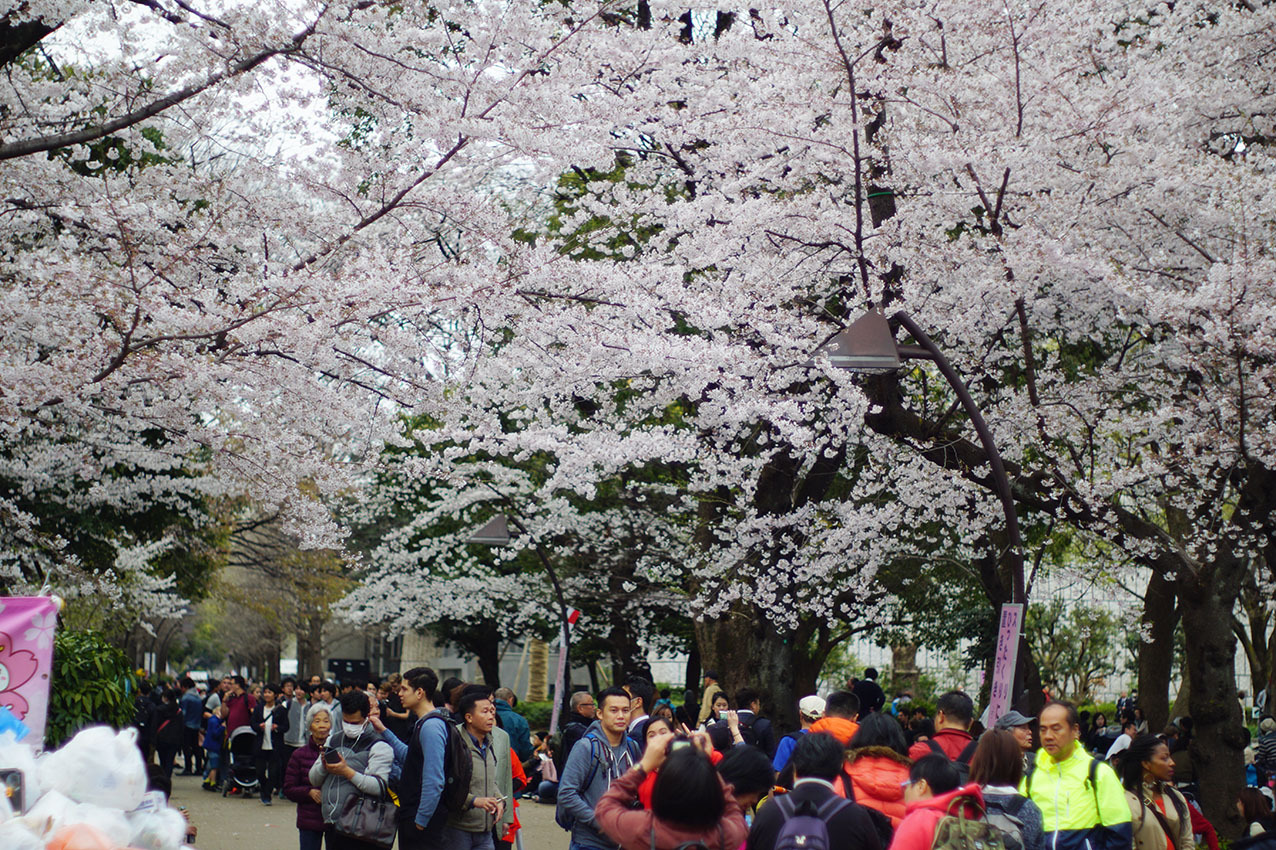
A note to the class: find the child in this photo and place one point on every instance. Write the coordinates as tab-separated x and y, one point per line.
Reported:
213	743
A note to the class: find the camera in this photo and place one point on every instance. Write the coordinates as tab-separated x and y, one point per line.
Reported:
678	742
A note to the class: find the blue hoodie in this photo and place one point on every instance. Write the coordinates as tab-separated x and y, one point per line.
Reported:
591	768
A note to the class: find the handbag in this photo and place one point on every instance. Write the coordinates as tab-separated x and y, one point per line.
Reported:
369	818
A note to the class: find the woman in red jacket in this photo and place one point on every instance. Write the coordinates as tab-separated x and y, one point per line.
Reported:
690	802
932	787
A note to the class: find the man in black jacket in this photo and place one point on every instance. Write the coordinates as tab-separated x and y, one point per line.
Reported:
575	725
871	695
817	760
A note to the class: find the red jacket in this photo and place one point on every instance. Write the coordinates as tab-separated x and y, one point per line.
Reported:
917	832
876	776
951	741
632	828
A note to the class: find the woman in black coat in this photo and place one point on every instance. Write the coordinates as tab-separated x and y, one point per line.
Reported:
270	722
169	730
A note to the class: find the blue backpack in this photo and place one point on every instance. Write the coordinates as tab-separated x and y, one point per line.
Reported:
805	826
598	751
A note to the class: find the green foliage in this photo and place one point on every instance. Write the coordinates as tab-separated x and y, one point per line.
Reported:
537	713
92	683
1075	647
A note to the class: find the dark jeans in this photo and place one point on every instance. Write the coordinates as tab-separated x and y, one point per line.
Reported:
192	752
548	791
310	839
411	838
167	757
268	772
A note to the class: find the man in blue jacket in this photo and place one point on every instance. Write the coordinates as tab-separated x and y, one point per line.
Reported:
514	724
603	755
421	813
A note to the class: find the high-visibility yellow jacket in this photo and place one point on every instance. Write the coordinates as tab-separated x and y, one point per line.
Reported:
1082	803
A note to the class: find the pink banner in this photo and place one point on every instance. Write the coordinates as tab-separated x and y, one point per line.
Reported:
1003	670
26	659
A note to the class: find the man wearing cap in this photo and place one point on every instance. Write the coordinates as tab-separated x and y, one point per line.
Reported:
810	709
711	689
1021	727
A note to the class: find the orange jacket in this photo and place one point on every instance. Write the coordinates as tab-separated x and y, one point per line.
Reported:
876	776
839	727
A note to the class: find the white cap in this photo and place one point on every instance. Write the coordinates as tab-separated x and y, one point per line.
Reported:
812	707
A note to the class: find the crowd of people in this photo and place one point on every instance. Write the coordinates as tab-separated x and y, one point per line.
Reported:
443	765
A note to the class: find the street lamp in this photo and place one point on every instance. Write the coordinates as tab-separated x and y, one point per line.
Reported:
868	345
496	532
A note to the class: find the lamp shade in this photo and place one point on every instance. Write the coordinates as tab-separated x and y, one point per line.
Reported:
866	346
496	532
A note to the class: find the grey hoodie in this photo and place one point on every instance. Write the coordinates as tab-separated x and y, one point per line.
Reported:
592	754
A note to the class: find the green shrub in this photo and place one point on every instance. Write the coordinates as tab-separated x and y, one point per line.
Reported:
537	713
92	683
1107	709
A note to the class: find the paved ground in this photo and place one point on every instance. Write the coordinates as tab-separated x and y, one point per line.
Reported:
236	824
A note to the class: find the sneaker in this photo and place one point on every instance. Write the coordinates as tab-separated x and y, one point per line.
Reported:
266	801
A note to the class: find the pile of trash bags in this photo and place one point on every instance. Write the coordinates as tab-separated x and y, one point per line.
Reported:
89	795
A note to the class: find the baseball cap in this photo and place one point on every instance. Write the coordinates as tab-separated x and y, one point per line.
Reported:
811	706
1011	719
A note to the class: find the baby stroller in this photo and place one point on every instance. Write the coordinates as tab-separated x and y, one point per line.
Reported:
241	769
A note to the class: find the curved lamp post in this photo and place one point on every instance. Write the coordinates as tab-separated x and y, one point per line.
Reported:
496	532
868	345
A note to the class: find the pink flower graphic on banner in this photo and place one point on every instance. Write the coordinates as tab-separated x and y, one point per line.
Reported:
16	669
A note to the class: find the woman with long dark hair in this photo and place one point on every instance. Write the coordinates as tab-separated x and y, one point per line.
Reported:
689	803
996	767
1159	813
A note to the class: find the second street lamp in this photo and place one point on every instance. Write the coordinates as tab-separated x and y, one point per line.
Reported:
868	345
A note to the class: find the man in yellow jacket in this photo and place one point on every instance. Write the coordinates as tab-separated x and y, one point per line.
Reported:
1082	802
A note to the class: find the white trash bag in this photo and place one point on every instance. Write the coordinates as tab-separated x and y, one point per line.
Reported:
14	835
98	766
112	823
164	829
49	814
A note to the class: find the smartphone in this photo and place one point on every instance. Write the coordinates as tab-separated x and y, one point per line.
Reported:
332	756
722	715
678	744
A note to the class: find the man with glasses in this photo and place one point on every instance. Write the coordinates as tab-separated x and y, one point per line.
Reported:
583	712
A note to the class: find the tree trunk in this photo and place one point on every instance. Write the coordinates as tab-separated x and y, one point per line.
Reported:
904	672
745	649
692	679
537	670
1156	657
487	653
1218	740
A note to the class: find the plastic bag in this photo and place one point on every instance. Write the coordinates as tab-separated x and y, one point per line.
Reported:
14	835
98	766
164	829
22	757
80	836
50	813
112	823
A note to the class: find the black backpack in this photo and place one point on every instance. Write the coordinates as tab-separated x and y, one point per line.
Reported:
458	769
962	762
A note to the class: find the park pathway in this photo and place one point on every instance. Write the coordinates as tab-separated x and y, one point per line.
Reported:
235	824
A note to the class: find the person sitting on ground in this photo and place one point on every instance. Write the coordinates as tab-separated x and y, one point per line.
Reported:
1158	811
690	803
933	785
841	708
817	761
954	712
878	767
997	768
297	785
